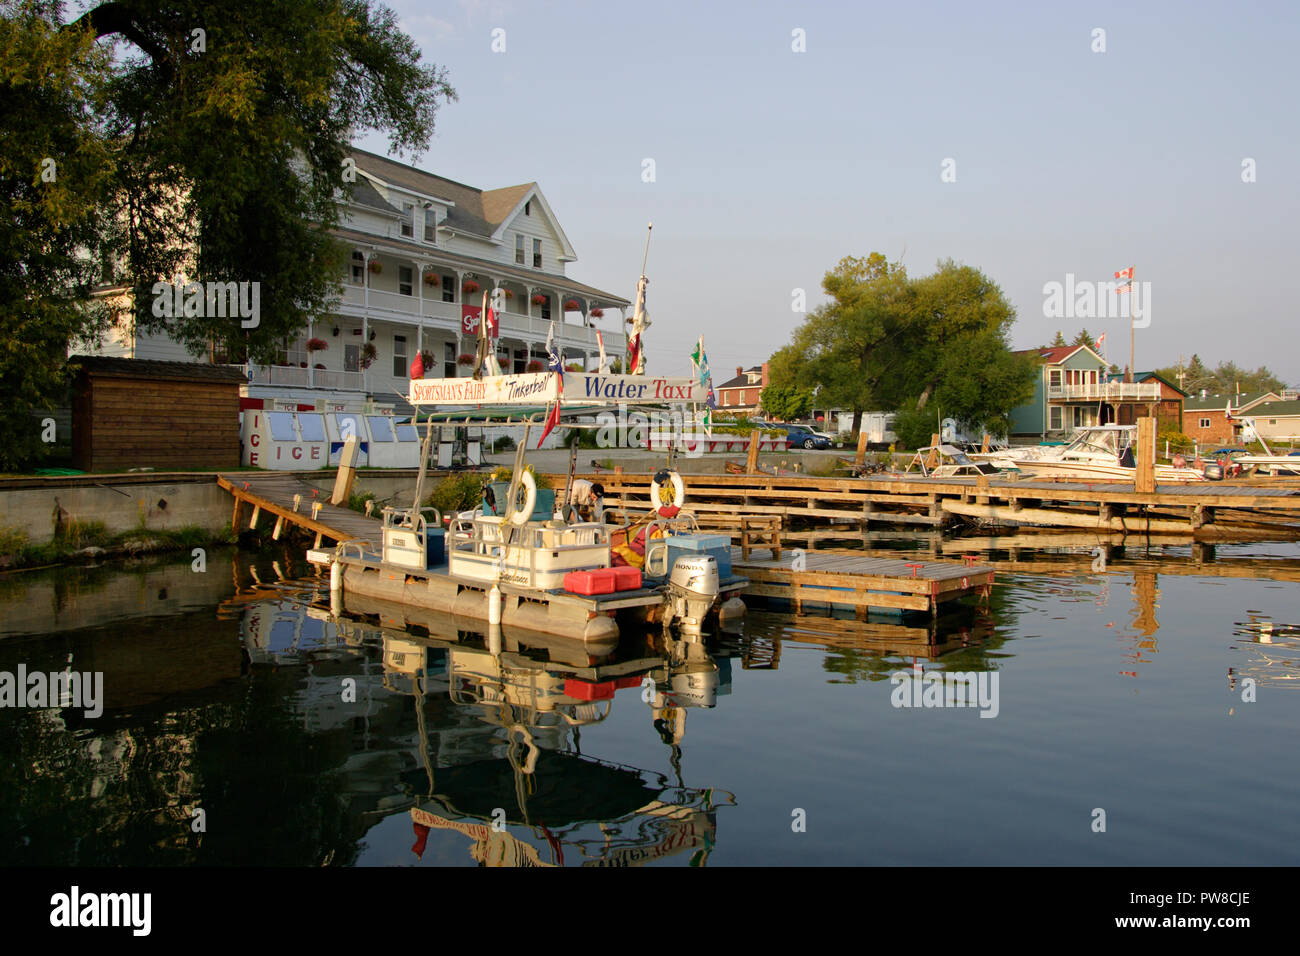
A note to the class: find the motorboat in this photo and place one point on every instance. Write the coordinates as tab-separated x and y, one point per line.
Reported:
1097	452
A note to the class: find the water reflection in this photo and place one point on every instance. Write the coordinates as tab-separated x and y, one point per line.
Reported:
1271	652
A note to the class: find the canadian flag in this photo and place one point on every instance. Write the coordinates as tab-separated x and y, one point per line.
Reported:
1125	273
1101	340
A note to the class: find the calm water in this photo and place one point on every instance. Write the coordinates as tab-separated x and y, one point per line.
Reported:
371	741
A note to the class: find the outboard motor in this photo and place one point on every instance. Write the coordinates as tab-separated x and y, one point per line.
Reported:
692	589
1214	471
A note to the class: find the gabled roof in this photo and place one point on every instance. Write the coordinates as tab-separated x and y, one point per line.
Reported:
1276	409
742	380
1240	402
1143	376
1056	354
473	211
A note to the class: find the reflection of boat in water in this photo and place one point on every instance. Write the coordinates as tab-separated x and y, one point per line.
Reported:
504	766
1096	452
1274	650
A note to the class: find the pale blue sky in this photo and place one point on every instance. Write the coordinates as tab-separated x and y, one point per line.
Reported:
771	165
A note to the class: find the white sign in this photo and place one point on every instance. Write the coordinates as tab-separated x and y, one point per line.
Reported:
541	388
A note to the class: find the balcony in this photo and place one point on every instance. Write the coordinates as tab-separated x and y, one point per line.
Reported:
296	377
1105	392
406	309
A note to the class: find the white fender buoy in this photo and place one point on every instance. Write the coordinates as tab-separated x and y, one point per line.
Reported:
494	605
679	491
336	587
525	514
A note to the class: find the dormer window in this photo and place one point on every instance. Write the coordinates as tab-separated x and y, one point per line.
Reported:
528	208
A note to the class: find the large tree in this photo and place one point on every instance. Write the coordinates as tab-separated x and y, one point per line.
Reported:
929	347
54	172
214	151
1224	379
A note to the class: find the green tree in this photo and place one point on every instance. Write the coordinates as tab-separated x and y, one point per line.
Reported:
787	402
1084	338
54	172
928	347
230	120
1058	340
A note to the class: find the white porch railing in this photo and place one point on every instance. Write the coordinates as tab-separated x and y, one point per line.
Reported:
301	377
1106	392
407	309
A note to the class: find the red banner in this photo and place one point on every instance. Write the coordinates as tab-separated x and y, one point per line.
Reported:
469	318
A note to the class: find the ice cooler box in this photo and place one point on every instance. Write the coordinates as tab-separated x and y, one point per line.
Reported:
690	545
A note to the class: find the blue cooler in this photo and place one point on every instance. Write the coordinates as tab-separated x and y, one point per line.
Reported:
542	511
436	547
718	545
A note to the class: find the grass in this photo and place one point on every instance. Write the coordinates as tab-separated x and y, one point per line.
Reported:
17	551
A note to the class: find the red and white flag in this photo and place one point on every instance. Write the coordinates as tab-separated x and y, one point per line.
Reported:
1101	340
1125	273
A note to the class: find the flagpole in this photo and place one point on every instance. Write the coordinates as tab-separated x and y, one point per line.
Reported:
1132	327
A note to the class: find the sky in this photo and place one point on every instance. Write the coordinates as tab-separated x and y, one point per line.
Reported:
1000	135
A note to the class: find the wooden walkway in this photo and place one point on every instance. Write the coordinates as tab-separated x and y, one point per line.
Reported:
275	495
860	581
1208	510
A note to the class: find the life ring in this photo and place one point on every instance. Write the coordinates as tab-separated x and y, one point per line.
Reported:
679	490
523	515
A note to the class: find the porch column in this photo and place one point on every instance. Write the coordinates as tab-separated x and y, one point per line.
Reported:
311	364
365	324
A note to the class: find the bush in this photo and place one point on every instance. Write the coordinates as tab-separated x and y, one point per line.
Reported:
501	443
457	493
1177	442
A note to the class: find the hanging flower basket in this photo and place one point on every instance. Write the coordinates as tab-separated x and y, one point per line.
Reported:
471	287
573	367
539	299
317	345
571	305
430	278
598	313
535	366
376	266
464	358
368	354
509	294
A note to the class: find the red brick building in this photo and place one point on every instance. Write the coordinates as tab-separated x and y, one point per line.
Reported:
743	394
1212	419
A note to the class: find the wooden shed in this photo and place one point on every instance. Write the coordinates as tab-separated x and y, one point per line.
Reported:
136	413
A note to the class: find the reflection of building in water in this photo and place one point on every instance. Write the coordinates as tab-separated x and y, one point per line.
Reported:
1271	652
504	766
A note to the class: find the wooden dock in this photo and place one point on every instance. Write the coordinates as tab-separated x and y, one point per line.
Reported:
1207	510
861	582
291	501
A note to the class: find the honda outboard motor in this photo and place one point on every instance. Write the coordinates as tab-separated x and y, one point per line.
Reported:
692	589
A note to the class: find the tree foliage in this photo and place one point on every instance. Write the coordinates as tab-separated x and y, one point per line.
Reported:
54	170
787	403
1224	379
929	347
209	149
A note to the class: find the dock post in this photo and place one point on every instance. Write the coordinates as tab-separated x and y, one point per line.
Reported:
347	472
861	455
751	462
279	527
252	522
1145	480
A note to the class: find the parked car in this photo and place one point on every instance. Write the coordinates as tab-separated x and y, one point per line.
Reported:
801	436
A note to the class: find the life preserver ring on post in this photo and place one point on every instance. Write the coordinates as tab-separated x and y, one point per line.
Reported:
661	478
522	515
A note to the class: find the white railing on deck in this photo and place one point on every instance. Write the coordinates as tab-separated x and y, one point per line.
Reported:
1107	392
292	375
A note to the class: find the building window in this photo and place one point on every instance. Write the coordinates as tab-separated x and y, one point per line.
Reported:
449	360
528	207
404	280
352	358
408	220
448	288
1054	419
1080	416
537	253
519	250
358	268
1205	423
1054	378
546	309
521	361
400	368
297	354
430	226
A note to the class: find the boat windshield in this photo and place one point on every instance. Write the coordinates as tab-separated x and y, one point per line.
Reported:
1097	441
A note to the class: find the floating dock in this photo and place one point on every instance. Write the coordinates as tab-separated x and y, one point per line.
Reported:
294	502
